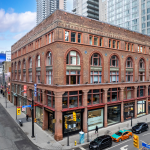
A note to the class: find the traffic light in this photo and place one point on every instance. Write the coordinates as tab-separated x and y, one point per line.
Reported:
136	141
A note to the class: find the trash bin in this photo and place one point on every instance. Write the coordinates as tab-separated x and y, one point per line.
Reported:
81	137
20	123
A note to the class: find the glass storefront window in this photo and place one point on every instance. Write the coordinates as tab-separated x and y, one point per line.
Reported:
128	93
140	91
141	108
95	118
72	99
39	96
95	97
72	126
50	99
113	95
128	110
113	114
149	107
39	116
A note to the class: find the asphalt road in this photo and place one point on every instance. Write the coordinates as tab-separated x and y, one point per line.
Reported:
126	144
11	136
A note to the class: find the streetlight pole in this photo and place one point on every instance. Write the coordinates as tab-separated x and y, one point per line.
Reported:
87	128
32	117
16	107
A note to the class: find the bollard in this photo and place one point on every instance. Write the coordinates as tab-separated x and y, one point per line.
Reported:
75	143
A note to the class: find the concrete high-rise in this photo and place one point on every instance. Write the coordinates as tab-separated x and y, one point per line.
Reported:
46	7
88	8
130	14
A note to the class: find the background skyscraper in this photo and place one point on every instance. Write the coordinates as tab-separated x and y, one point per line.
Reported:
46	7
88	8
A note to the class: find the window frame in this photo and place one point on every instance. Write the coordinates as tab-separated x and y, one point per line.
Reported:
49	75
138	91
69	60
52	95
125	92
118	94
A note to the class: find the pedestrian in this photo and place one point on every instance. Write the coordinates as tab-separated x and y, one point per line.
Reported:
96	129
27	117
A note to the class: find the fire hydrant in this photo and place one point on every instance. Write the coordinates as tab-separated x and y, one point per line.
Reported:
75	143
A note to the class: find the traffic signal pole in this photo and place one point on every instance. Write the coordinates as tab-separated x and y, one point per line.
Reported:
32	117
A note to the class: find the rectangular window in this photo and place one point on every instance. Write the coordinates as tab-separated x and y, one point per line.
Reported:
24	76
128	47
95	41
72	77
38	77
138	48
90	40
132	47
141	76
110	43
66	36
100	41
30	76
49	77
79	38
73	37
49	38
117	44
114	44
96	77
129	76
114	76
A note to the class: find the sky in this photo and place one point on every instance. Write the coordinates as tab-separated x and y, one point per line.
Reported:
17	17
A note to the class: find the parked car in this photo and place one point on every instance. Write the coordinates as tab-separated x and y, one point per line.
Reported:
121	135
140	127
101	142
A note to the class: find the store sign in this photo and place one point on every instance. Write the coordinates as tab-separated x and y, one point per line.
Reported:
74	116
23	109
8	55
25	89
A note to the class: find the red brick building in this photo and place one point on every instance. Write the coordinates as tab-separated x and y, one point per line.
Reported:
97	70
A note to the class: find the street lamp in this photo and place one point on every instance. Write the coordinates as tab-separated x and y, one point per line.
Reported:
131	118
87	128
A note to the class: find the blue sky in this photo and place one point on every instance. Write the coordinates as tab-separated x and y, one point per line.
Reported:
17	17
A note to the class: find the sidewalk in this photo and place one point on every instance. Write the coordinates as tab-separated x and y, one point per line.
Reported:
45	140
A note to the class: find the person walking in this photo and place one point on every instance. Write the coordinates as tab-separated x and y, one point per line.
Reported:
96	129
27	117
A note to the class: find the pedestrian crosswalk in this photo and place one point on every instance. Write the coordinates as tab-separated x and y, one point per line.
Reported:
80	148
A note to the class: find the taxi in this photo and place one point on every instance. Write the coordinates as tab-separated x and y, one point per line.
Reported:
121	135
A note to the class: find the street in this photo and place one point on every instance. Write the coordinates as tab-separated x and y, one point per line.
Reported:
11	136
126	144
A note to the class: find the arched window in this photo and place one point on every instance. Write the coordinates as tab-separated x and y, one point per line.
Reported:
38	61
30	62
129	70
48	69
49	59
141	70
96	60
73	74
96	73
19	71
73	58
15	66
24	64
19	65
114	69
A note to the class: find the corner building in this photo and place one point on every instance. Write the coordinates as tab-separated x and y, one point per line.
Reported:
81	65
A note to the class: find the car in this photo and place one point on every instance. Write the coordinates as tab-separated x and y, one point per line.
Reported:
121	135
140	127
101	142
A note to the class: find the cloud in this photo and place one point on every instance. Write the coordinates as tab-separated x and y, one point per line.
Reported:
18	36
17	22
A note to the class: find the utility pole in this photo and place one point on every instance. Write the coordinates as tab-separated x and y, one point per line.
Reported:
32	117
16	108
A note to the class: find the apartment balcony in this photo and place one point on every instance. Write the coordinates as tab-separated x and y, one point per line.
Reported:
93	16
93	7
96	3
93	12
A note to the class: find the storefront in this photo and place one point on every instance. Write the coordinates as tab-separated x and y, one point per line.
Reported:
24	103
39	115
141	108
73	126
95	118
113	114
128	110
149	106
51	116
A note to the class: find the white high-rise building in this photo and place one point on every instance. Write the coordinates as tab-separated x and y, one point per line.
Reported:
130	14
88	8
46	7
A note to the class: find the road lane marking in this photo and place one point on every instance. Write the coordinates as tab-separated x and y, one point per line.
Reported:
124	147
145	134
120	143
82	148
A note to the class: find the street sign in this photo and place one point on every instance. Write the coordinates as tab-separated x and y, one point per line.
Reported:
74	116
18	111
26	106
23	109
145	145
35	85
25	89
